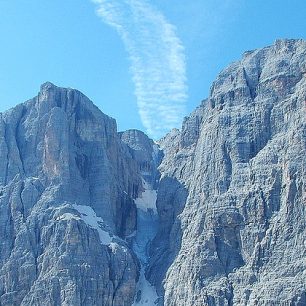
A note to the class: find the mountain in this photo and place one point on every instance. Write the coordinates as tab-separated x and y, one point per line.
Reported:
67	185
212	214
232	189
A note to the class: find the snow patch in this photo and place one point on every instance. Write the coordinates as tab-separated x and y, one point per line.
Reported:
145	292
89	216
147	223
147	200
68	216
114	247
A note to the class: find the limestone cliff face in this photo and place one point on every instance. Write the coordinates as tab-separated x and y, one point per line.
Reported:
232	190
63	171
213	215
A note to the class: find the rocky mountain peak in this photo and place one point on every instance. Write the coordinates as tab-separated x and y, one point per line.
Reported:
231	183
47	86
73	102
214	214
283	62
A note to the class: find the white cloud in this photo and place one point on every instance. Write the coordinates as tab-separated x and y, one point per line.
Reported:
157	58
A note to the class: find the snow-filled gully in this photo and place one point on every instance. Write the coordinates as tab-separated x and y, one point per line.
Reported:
147	222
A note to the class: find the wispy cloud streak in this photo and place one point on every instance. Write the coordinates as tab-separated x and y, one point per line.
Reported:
157	61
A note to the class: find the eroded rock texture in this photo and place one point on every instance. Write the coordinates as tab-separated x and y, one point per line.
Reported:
230	196
59	152
232	191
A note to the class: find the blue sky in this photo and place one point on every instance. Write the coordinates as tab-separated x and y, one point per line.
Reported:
145	63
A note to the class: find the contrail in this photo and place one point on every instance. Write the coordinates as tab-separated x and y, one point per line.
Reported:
157	59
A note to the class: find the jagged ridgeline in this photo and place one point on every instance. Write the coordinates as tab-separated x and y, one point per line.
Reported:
213	214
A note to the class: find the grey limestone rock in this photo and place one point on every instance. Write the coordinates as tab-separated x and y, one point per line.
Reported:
65	176
225	217
236	236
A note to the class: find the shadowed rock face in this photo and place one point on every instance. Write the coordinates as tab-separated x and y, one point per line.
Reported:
230	195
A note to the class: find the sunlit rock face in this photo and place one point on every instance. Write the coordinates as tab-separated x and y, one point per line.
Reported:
66	204
214	214
232	190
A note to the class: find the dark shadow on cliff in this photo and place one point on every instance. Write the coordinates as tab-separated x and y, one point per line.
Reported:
171	199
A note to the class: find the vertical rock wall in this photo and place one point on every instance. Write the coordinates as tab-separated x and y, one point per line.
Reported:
232	190
58	152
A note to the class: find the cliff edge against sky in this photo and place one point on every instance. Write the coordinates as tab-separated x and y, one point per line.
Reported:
214	214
